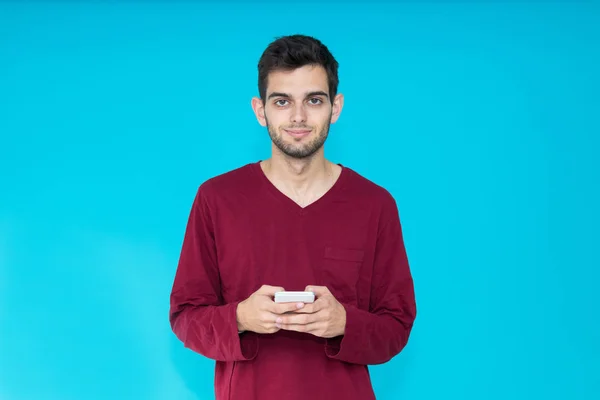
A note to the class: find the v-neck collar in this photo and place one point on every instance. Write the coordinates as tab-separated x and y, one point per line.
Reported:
291	204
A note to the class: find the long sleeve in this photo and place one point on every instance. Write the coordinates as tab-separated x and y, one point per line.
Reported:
377	335
198	315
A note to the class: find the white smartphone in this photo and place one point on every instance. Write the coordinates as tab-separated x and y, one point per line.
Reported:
294	297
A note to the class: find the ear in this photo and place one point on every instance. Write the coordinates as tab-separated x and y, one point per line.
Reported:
259	110
338	104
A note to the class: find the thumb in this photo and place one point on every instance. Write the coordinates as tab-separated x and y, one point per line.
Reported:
267	290
318	290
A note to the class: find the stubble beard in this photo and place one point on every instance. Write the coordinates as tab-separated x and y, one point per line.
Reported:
299	151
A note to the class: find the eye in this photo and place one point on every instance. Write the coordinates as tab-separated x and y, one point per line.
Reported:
279	102
315	101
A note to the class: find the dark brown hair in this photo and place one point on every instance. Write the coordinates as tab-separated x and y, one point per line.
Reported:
295	51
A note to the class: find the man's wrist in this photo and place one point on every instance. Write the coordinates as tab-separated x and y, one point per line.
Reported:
238	317
343	318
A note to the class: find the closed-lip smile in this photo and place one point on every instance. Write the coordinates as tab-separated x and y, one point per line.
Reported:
298	132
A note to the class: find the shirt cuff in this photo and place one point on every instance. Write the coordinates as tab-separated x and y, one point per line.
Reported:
340	345
246	343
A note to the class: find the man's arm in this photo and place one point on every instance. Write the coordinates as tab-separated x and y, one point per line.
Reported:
198	315
377	335
358	336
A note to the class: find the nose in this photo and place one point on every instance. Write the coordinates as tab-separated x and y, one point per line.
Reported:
299	114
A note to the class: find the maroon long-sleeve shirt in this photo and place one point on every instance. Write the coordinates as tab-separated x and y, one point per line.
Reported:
242	233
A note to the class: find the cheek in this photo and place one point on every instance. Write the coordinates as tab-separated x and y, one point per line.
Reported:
277	119
321	117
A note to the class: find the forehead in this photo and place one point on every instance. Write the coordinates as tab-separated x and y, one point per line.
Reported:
299	81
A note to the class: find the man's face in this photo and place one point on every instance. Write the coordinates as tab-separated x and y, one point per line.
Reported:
297	110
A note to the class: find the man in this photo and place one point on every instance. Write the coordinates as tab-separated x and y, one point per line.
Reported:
294	222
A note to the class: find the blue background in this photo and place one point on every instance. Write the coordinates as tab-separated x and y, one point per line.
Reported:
481	119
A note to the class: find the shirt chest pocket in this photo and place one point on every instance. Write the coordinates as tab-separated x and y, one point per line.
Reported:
340	269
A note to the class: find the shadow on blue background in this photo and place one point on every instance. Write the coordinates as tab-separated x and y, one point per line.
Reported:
482	120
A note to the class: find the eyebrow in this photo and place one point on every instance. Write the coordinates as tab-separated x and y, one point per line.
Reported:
310	94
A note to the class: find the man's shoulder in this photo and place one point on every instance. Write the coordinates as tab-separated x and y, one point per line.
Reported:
231	181
367	189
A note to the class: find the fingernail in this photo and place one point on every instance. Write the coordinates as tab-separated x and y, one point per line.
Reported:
278	321
300	305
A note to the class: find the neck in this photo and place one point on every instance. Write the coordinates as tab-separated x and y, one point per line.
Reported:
304	180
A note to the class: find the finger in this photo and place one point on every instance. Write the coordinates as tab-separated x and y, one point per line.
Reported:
312	308
318	290
308	328
282	308
269	327
267	317
267	290
297	319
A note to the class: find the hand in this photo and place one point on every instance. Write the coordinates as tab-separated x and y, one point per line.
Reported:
326	317
259	312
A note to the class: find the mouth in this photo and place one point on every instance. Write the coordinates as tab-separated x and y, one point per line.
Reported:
298	133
